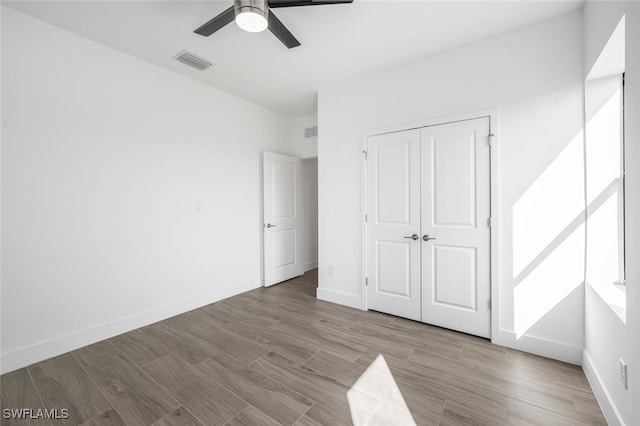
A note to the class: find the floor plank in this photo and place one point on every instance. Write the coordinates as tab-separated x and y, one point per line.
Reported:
209	402
399	335
63	384
271	397
251	416
178	417
108	418
523	414
455	414
228	341
318	415
371	339
96	353
322	389
139	347
225	312
138	399
446	385
313	337
19	392
272	340
187	346
556	400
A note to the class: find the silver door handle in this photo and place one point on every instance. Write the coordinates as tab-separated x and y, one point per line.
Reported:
426	237
268	225
414	237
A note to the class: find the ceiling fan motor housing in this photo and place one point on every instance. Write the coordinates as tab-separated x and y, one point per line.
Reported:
256	6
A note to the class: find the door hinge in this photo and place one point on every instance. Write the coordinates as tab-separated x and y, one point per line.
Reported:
489	222
489	137
366	218
366	281
365	155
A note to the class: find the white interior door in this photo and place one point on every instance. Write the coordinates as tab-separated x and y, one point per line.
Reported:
283	219
455	214
393	255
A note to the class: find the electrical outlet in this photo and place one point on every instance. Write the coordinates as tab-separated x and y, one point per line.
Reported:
623	373
332	271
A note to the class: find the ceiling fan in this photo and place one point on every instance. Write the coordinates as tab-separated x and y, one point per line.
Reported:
255	16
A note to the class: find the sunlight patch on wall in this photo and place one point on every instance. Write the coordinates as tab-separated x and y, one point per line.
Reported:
603	144
549	206
548	238
552	280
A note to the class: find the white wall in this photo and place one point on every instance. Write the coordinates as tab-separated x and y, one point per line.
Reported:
101	154
607	338
533	78
310	190
305	147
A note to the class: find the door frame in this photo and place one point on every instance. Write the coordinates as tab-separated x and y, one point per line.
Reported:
494	229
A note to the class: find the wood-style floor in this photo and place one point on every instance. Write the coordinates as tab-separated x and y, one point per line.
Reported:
279	356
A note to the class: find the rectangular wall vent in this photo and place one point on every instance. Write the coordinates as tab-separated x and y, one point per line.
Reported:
192	60
311	132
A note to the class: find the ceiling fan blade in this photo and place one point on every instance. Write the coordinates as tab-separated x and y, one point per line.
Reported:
216	23
279	30
295	3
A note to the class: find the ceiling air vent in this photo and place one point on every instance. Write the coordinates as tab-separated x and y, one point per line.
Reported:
192	60
311	132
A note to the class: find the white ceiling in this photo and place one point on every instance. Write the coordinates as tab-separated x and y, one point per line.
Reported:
339	42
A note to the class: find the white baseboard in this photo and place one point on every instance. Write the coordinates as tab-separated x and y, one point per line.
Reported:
346	299
25	356
543	347
609	410
310	265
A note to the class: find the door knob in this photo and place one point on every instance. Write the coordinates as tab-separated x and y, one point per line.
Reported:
426	237
414	237
268	225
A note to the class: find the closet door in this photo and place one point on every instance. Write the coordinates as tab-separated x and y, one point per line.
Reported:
455	226
393	244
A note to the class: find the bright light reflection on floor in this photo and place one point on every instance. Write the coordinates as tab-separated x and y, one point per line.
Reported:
376	399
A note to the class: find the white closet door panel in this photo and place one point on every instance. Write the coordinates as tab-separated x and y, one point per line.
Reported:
455	195
393	262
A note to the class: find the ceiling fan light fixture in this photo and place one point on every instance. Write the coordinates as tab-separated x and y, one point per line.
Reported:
252	15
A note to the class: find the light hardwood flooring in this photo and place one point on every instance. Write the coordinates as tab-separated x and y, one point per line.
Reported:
279	356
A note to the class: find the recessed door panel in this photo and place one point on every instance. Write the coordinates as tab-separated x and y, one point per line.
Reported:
392	188
394	268
284	247
453	160
283	188
454	277
393	203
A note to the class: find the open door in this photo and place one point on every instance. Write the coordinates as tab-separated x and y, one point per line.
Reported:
283	218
